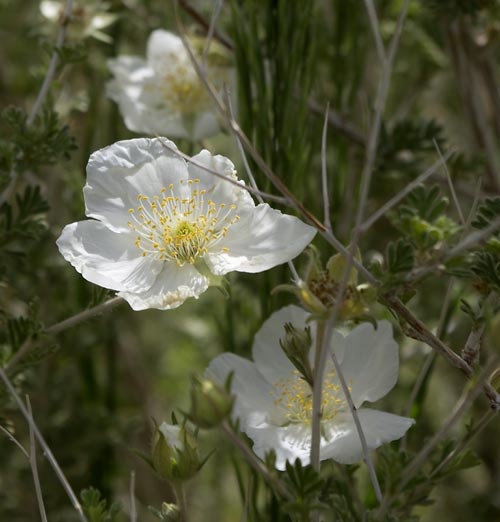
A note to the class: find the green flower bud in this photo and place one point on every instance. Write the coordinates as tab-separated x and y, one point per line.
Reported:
210	403
174	453
296	344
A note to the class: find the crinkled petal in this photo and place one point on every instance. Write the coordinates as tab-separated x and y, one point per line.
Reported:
219	190
254	395
262	239
369	359
117	174
289	442
267	353
342	440
172	287
106	258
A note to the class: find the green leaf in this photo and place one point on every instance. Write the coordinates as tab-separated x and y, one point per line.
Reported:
95	508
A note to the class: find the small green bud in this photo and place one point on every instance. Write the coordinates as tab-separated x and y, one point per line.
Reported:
211	403
174	453
297	344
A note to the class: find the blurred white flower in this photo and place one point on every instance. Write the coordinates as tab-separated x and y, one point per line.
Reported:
162	94
163	230
274	404
88	18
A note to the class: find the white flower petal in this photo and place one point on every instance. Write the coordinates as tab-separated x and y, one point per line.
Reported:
164	46
219	190
173	286
369	359
343	443
267	353
171	433
117	174
289	442
254	395
262	239
106	258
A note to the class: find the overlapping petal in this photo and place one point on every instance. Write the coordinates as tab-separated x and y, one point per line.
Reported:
273	405
160	221
106	258
162	94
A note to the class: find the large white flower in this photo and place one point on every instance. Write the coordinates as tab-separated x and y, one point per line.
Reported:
274	404
162	94
163	228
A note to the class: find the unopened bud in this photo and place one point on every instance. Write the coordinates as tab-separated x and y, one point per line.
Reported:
296	344
211	403
174	453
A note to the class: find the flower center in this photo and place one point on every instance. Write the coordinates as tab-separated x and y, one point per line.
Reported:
181	229
182	89
294	395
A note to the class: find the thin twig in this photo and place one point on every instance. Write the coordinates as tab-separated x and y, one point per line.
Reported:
375	26
48	453
337	122
133	509
248	170
254	462
211	29
418	331
200	20
256	192
33	464
455	416
406	190
44	89
422	456
64	325
450	184
462	445
15	441
324	175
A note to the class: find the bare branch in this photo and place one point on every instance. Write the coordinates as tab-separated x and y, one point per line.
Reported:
34	468
324	175
48	453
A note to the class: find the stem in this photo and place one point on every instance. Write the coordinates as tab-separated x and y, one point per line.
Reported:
322	343
133	509
64	325
42	94
256	464
48	453
180	495
34	469
324	175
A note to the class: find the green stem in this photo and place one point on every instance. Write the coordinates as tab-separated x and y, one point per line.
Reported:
180	495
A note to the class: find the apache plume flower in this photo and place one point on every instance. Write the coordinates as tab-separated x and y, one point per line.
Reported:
274	402
162	94
163	229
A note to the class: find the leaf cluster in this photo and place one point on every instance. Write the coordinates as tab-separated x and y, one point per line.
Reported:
96	508
29	147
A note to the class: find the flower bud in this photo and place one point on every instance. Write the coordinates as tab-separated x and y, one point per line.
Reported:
174	453
210	403
296	344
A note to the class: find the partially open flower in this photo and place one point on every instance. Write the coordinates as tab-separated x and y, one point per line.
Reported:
163	229
274	402
162	94
174	453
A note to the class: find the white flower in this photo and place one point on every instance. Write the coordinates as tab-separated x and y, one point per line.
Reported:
274	404
162	95
87	18
163	229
